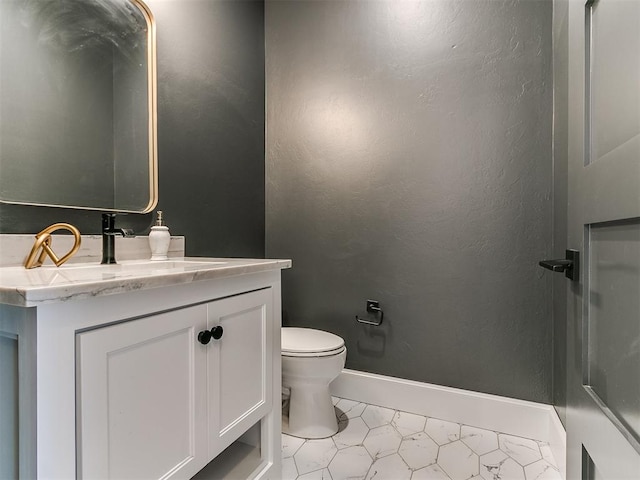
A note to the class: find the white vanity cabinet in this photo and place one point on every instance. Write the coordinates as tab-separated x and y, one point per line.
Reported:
113	381
142	398
154	401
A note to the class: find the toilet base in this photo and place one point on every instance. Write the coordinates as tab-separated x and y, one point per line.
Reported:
311	413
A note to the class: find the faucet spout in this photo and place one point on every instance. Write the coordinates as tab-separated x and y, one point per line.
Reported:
109	232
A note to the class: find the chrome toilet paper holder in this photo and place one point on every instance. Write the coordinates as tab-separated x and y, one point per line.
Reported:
373	307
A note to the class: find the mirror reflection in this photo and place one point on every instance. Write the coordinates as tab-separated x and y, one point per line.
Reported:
77	104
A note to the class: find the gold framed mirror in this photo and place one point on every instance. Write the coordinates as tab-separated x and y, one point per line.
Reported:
78	102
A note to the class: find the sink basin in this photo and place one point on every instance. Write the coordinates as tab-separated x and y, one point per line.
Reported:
74	273
144	266
49	284
130	269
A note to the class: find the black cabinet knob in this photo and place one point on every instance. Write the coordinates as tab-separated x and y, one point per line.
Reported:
216	332
204	337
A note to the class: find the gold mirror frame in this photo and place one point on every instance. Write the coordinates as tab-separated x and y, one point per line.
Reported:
152	83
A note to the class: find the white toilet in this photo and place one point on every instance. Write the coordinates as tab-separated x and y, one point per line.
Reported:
311	359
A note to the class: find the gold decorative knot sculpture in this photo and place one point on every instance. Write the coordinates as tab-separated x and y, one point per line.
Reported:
43	246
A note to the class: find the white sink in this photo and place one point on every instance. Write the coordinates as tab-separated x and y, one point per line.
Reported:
49	284
70	273
143	266
130	269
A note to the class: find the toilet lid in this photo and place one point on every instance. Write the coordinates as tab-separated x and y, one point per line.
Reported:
301	341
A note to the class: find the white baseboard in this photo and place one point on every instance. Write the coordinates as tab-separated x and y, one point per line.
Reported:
492	412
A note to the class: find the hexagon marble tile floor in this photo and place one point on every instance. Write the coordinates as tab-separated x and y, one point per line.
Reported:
384	444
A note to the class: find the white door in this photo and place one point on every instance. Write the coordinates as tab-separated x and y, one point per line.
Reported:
239	365
603	414
142	398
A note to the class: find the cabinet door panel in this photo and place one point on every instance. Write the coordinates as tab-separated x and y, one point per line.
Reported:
240	376
142	404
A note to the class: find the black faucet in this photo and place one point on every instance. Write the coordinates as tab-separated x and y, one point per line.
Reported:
109	232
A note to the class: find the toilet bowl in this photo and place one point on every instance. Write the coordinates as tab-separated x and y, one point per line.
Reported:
311	359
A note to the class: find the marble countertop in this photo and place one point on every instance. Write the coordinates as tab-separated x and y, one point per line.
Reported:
49	284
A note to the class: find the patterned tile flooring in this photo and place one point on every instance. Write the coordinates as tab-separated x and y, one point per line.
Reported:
384	444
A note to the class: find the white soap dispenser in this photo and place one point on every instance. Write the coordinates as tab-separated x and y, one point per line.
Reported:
159	238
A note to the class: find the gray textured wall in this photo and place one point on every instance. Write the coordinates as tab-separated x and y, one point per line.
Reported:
409	161
211	131
210	127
